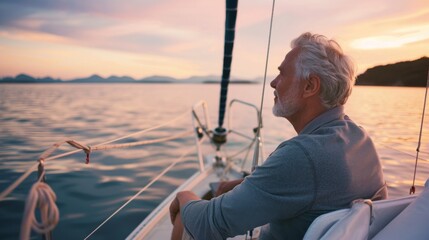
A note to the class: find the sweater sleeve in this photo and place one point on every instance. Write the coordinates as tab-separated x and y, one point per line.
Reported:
281	188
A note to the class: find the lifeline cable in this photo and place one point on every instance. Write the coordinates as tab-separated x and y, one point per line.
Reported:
413	188
45	154
44	197
142	190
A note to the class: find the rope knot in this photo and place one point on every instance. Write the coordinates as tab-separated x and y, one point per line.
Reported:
41	169
412	190
86	149
88	152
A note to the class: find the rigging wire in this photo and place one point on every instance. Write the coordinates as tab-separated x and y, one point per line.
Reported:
258	133
266	62
403	152
413	188
258	144
142	190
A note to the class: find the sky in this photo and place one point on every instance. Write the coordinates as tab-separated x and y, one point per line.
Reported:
140	38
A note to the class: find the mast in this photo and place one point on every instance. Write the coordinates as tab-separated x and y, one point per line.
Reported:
219	133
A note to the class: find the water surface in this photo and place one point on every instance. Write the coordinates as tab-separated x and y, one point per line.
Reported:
33	117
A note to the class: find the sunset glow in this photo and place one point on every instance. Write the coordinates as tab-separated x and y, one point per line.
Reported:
396	38
68	39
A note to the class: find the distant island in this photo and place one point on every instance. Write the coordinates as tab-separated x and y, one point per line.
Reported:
408	73
24	78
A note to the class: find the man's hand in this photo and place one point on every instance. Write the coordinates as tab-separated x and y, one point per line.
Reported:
182	198
227	186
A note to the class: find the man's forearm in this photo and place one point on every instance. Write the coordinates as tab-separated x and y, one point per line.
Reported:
185	197
227	186
182	198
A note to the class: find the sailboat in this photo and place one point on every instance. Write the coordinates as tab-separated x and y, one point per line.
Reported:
402	218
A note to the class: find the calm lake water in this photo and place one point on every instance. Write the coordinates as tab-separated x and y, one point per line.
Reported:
33	117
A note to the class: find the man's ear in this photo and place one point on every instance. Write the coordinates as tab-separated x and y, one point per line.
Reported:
312	86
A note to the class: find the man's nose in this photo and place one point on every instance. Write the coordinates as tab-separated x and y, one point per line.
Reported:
273	83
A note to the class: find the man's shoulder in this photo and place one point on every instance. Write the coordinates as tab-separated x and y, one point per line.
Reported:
298	142
292	144
343	128
293	148
335	135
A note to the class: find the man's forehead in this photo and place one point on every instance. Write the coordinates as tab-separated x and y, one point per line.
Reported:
293	53
290	56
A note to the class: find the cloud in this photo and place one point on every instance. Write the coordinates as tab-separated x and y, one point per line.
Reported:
153	32
394	39
192	31
395	32
10	13
107	8
134	26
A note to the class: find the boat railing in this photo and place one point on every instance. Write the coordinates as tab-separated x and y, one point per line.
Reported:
230	116
201	131
254	139
203	128
200	128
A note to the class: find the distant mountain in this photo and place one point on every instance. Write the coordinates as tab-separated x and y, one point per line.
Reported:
157	79
193	79
123	79
201	79
233	81
216	79
409	73
92	79
97	79
23	78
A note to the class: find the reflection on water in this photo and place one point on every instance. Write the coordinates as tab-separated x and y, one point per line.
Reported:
392	116
33	117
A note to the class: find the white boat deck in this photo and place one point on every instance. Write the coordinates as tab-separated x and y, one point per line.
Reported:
158	225
162	230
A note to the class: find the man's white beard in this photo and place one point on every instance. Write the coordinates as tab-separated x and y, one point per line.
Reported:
288	105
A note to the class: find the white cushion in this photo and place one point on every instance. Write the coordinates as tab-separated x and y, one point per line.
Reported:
322	224
348	224
412	222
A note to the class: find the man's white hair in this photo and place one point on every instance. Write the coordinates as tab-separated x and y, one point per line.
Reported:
325	59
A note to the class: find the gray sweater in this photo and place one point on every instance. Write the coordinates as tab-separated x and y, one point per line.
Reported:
328	165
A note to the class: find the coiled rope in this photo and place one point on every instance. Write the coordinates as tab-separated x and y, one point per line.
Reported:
44	197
